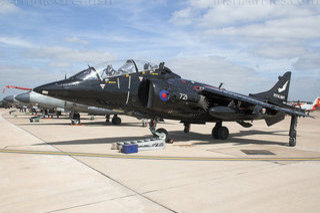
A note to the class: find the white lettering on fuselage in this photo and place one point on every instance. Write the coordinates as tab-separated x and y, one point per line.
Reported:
282	97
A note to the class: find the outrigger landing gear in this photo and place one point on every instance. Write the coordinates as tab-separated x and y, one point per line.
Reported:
293	131
116	120
161	133
187	127
220	132
107	118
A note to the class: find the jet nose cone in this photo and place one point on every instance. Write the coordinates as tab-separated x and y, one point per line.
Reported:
57	89
45	89
24	97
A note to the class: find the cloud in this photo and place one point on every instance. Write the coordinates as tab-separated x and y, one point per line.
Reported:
259	27
58	54
214	70
228	13
307	62
23	76
182	17
7	7
75	39
304	88
275	30
276	51
11	41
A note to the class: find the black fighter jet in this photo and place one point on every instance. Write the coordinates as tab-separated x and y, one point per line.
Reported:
145	90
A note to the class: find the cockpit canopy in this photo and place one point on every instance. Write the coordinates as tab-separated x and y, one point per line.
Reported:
115	68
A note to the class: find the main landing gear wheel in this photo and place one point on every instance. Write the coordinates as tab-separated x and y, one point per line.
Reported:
220	132
116	120
75	119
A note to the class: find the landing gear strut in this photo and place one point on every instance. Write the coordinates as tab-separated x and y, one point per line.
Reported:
116	120
187	127
293	131
144	122
161	132
220	132
107	118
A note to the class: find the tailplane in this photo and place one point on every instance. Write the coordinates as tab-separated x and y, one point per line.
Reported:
278	94
316	104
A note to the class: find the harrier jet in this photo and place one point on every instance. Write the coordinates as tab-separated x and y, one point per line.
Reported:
142	89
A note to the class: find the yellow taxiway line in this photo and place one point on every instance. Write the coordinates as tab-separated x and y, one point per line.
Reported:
134	156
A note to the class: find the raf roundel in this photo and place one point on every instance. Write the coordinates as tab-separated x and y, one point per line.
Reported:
164	95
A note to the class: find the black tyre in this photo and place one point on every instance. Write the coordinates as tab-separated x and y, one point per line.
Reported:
223	133
116	120
215	133
186	130
292	141
76	116
163	131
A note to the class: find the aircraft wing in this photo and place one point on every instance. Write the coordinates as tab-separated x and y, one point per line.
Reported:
247	99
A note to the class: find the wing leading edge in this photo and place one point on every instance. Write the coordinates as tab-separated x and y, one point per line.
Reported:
236	96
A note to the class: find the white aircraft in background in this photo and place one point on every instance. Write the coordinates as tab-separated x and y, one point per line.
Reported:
310	107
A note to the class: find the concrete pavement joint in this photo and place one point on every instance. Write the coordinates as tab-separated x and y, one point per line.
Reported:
88	204
146	157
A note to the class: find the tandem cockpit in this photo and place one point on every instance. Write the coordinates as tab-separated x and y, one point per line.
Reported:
113	69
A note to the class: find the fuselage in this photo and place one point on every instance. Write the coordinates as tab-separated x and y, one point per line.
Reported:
148	94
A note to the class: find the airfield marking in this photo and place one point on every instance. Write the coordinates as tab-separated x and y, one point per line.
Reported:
79	154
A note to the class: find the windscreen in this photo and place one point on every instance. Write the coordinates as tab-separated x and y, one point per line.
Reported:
87	74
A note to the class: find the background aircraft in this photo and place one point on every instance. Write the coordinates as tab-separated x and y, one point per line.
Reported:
142	89
309	107
59	105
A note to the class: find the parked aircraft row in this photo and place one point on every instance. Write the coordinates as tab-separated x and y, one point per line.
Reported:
58	106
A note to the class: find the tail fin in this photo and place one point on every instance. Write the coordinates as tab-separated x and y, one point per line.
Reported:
278	93
316	104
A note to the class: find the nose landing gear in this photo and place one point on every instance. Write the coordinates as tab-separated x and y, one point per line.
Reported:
161	132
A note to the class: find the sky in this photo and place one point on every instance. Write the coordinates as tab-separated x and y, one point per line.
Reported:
246	44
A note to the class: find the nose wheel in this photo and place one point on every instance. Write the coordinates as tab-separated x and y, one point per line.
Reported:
220	132
161	132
